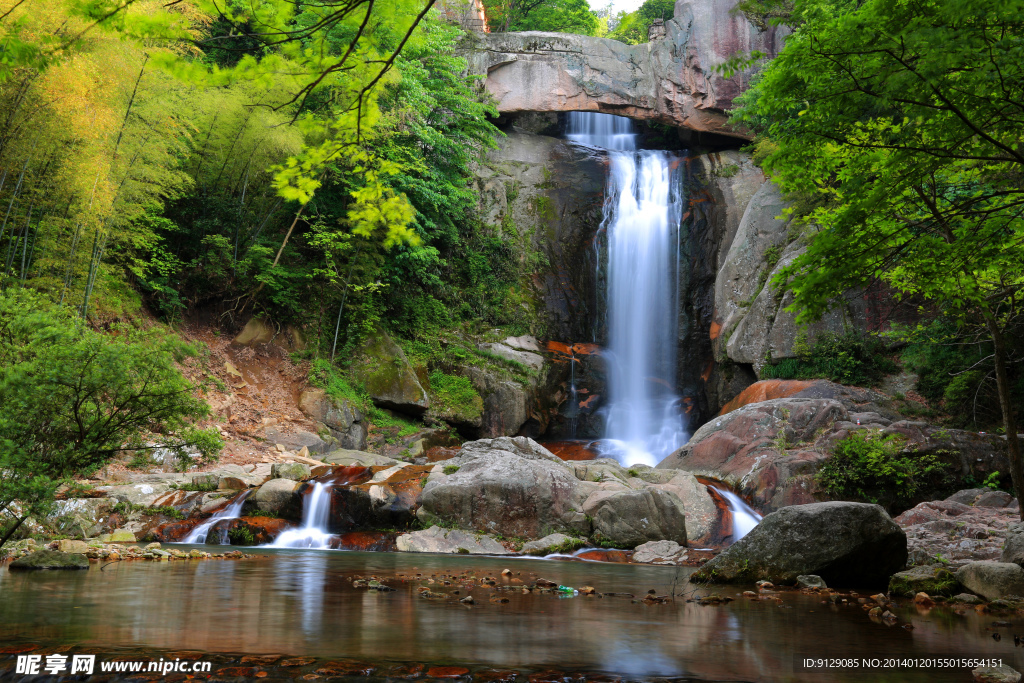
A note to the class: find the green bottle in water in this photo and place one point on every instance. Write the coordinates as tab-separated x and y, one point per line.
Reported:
567	589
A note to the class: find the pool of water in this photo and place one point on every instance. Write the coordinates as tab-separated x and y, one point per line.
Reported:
303	603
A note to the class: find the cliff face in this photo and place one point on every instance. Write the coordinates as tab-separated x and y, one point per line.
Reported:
670	80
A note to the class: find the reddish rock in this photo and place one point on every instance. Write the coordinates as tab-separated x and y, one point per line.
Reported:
172	532
447	672
346	667
765	390
263	529
573	450
378	541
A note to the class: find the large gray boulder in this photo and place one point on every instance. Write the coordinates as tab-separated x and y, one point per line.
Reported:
659	552
512	486
450	541
846	544
279	496
339	418
1013	547
627	519
993	580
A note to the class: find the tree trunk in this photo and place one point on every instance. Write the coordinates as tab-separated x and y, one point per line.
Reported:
1009	422
11	531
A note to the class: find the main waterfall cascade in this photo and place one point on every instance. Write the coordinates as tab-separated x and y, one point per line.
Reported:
642	215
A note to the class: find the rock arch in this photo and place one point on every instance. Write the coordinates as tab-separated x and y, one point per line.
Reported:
669	80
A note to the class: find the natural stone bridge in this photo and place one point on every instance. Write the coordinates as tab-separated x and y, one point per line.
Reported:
669	80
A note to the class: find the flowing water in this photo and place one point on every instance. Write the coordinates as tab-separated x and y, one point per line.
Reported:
304	603
233	511
744	517
642	215
313	533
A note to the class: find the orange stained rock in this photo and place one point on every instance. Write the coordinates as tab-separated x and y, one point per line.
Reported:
765	390
572	349
716	330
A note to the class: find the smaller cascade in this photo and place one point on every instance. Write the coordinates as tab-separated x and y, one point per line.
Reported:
232	511
573	412
744	517
316	512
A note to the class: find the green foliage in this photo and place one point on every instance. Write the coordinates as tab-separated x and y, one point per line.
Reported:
955	373
451	469
241	535
890	125
992	481
455	395
339	386
561	16
633	27
845	358
880	469
72	399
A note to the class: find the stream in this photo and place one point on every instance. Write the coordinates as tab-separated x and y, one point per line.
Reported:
303	603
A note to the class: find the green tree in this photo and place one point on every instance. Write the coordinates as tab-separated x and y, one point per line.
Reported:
899	125
72	399
560	16
633	27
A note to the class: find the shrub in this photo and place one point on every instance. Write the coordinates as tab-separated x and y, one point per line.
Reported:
845	358
875	468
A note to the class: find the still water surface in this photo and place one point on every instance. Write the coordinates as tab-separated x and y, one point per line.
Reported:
302	602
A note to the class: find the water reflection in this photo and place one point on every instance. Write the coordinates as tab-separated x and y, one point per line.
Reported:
301	602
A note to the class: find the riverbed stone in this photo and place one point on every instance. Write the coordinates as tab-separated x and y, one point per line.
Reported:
552	543
450	541
996	674
992	580
810	581
846	544
659	552
930	579
66	545
51	559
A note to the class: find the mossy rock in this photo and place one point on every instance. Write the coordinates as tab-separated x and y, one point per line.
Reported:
51	559
930	579
381	366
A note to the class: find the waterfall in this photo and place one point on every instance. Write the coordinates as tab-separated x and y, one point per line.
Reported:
642	215
744	518
316	511
232	511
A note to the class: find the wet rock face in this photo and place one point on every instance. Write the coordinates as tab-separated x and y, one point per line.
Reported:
670	80
846	544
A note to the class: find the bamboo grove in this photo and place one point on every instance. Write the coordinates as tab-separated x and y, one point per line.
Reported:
283	156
